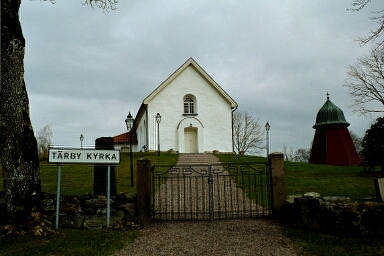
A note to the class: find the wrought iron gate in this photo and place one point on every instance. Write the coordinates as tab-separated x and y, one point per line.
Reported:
213	191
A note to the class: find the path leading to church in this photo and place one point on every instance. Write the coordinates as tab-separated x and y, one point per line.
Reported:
219	237
186	159
189	195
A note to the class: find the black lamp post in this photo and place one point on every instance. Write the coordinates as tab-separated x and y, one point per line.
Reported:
81	140
129	123
158	120
267	128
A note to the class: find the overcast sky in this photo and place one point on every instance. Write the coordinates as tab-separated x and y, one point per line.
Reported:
85	70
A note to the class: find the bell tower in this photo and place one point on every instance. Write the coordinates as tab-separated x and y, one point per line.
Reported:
332	143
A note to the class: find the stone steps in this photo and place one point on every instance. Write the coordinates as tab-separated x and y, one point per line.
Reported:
189	159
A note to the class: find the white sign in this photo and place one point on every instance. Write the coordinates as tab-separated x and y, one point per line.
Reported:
90	156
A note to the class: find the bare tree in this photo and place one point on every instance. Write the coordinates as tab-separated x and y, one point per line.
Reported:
44	139
366	78
366	83
374	34
302	155
247	133
105	5
288	155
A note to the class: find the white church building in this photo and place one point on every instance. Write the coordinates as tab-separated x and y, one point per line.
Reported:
196	115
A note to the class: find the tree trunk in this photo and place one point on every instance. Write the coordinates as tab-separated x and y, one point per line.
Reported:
18	152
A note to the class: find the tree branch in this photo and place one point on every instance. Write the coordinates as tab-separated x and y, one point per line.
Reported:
366	82
105	5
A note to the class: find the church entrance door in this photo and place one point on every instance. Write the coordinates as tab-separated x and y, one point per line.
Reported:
190	140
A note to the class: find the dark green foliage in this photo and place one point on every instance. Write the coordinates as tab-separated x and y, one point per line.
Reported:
373	145
68	242
315	243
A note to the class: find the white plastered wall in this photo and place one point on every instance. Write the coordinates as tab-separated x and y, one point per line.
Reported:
213	119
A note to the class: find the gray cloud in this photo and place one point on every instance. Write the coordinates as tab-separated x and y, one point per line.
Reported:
85	69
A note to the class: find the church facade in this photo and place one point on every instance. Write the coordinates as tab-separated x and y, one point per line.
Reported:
194	115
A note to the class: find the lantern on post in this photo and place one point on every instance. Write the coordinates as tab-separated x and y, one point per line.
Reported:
129	122
267	128
158	120
81	140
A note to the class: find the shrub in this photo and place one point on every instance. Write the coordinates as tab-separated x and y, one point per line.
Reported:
373	145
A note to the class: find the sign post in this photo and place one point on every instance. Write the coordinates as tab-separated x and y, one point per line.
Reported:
58	195
108	194
61	156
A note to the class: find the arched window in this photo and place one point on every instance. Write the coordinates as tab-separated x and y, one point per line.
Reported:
189	104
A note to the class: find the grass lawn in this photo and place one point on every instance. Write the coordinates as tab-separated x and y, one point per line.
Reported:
325	179
250	176
68	242
328	180
77	179
314	243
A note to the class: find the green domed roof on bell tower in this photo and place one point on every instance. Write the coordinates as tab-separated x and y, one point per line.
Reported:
330	115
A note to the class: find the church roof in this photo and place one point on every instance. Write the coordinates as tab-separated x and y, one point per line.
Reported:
330	115
125	138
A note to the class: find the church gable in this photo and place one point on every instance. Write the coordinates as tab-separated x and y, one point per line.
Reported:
196	114
186	72
188	94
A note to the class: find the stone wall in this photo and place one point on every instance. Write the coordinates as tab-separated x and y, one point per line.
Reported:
88	211
334	215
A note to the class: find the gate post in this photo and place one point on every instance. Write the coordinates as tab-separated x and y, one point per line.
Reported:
143	190
278	185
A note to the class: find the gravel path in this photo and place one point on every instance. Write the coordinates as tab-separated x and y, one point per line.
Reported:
187	195
219	237
222	237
